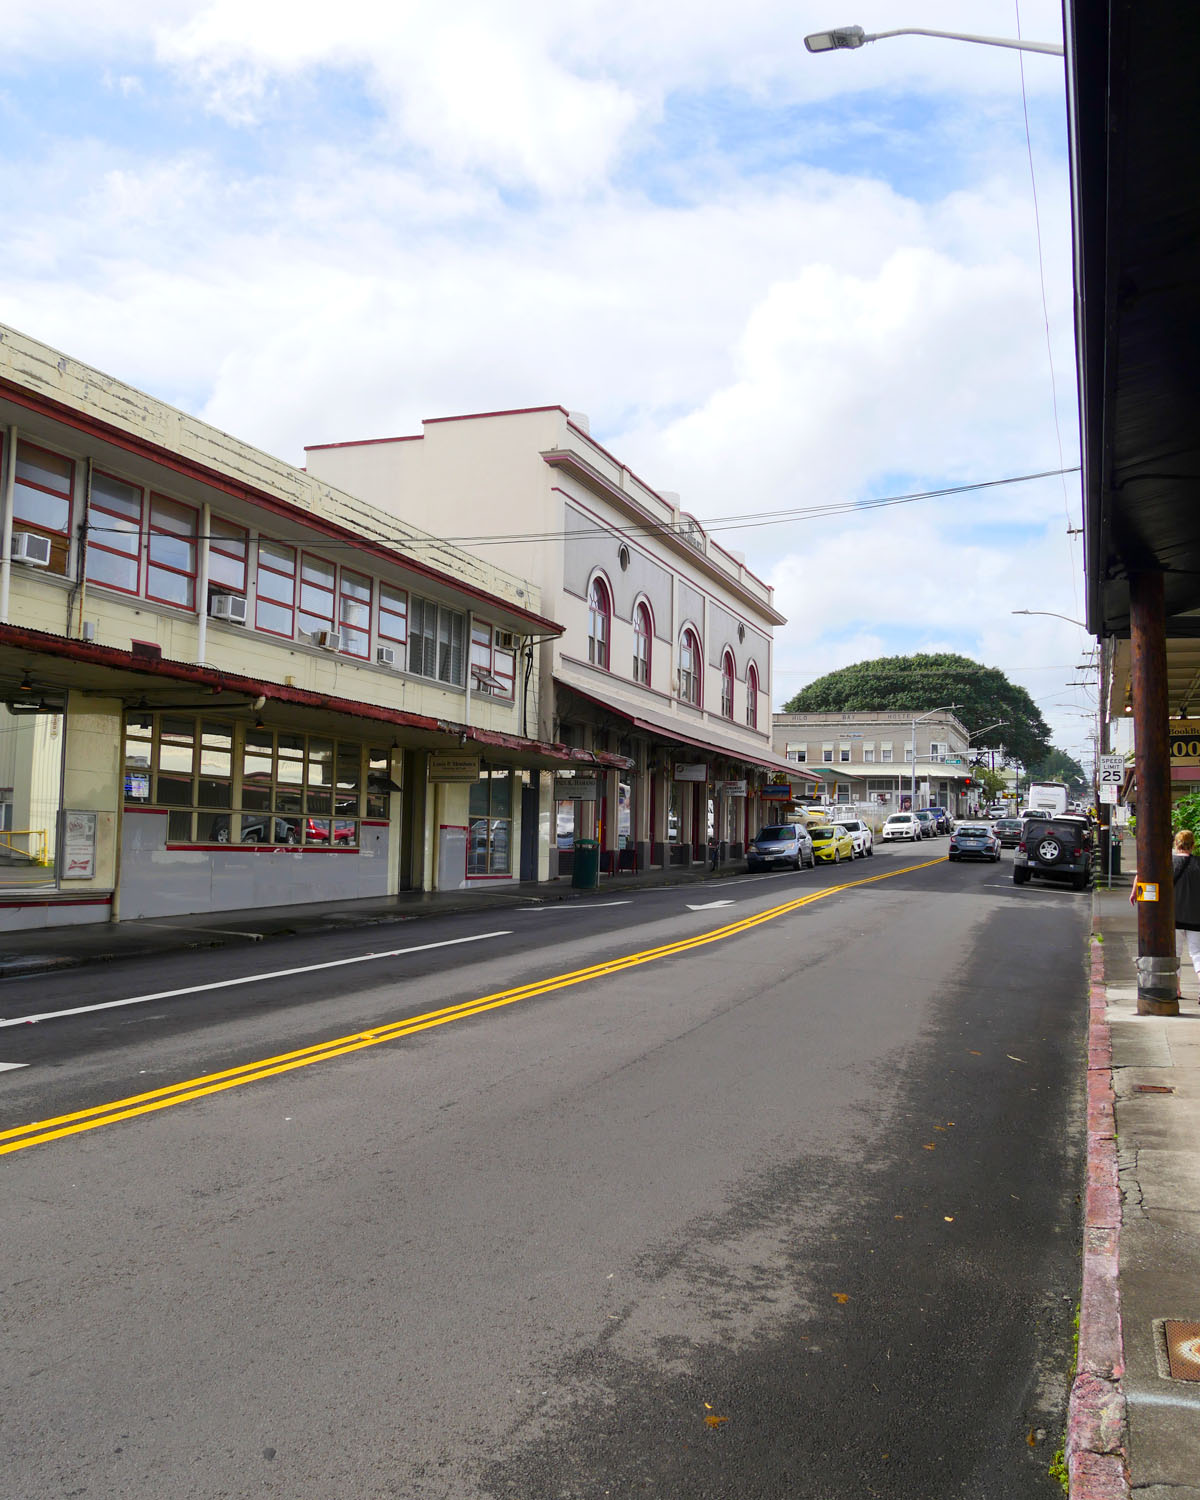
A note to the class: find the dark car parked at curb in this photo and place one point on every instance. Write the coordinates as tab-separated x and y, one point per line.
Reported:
942	818
974	841
780	844
1008	831
928	822
1055	849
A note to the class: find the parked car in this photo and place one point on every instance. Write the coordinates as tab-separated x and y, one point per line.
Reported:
997	810
778	844
942	816
1058	848
1008	831
860	833
974	841
901	826
316	831
831	843
257	828
928	822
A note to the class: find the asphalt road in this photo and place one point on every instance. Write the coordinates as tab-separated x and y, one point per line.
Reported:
791	1211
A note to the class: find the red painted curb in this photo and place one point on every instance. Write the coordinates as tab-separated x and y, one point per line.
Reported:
1096	1441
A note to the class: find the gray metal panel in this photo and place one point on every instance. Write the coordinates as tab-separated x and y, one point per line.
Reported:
588	545
691	605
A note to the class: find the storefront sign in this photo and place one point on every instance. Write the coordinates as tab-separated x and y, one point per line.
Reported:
690	773
137	786
733	788
454	768
575	788
79	846
1185	740
776	793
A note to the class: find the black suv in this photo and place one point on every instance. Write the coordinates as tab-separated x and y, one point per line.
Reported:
1056	849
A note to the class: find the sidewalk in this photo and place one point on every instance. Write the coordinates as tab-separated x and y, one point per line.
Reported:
1134	1426
50	949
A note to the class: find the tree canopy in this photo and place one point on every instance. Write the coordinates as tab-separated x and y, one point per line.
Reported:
916	684
1059	766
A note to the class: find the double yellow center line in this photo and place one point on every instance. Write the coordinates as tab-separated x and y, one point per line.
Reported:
38	1132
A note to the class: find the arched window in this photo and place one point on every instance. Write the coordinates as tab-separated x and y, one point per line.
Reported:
752	696
643	631
690	666
599	621
727	685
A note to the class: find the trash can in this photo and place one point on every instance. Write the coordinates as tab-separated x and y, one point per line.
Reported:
585	868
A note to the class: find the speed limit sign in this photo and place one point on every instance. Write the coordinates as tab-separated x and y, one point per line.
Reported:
1112	770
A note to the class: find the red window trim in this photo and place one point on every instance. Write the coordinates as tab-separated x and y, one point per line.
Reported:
599	587
343	599
68	494
400	640
698	666
152	530
260	567
728	679
642	611
333	592
92	544
214	545
752	696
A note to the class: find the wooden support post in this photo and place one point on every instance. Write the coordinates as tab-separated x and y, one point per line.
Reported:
1157	965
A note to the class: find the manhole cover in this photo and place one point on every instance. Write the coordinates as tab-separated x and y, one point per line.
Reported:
1152	1088
1183	1349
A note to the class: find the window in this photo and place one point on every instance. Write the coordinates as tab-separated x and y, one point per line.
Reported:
908	750
493	667
227	548
727	686
868	753
275	610
114	543
171	553
436	642
643	633
393	615
690	663
885	751
937	748
827	755
599	622
42	489
316	594
354	613
798	753
843	754
752	696
489	813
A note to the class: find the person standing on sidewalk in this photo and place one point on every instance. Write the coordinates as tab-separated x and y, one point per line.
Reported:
1186	869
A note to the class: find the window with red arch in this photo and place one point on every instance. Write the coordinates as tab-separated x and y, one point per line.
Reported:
643	633
599	623
752	696
689	667
727	685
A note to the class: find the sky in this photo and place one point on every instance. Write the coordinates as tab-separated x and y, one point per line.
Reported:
774	281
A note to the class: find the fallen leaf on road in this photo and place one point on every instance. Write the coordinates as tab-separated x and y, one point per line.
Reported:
716	1421
973	1052
949	1218
841	1296
929	1146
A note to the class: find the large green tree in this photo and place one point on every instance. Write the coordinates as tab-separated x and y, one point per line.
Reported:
1059	766
916	684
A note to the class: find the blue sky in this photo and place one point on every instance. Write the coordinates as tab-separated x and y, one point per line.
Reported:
771	279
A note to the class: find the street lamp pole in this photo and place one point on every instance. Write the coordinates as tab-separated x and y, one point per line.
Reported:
847	37
945	708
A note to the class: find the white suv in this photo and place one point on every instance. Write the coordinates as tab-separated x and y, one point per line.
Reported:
860	832
901	826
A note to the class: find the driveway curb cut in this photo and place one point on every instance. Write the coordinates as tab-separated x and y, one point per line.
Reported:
1097	1423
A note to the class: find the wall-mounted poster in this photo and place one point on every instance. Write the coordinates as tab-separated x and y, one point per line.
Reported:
79	846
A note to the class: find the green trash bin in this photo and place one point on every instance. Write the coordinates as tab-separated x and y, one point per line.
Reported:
585	870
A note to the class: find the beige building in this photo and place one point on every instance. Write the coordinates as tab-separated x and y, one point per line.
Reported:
666	651
231	683
879	759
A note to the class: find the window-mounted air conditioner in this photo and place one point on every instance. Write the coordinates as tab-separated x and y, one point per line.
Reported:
328	640
385	656
31	549
506	640
229	607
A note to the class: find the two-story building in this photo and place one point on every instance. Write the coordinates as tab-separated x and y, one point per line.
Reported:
227	683
882	759
666	651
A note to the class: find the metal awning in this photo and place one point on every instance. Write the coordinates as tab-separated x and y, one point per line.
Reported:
1134	118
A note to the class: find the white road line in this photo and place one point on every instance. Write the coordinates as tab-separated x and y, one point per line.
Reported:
224	984
573	906
7	1067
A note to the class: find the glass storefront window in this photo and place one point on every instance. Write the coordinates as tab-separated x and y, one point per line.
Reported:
489	830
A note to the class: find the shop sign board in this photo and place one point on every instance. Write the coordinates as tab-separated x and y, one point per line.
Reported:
453	768
733	788
575	788
685	772
79	846
1185	740
776	793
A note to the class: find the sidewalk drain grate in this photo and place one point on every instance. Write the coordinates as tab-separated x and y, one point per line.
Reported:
1152	1088
1183	1349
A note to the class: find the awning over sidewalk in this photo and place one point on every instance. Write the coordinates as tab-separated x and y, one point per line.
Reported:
707	738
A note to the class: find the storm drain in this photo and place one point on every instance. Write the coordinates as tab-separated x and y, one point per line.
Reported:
1183	1349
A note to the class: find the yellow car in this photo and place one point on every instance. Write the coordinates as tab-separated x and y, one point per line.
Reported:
831	843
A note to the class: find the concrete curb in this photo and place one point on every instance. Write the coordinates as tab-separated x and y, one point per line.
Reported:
1097	1422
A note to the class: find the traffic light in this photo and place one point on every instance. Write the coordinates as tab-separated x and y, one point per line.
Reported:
966	781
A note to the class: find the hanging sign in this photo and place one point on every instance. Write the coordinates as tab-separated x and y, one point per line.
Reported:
685	772
580	788
775	793
733	788
1185	740
454	768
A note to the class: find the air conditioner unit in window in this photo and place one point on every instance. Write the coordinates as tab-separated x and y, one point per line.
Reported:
506	640
31	549
385	656
231	607
328	640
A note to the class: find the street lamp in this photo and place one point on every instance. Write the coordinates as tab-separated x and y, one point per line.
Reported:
1053	615
945	708
843	37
